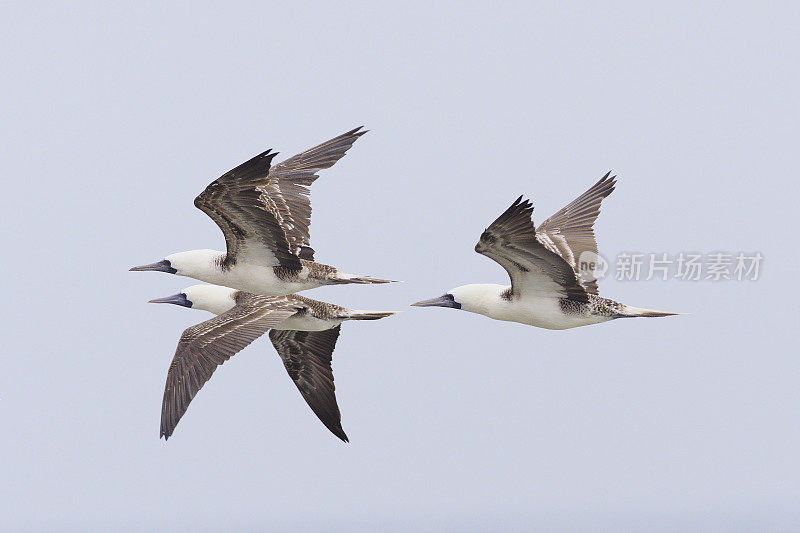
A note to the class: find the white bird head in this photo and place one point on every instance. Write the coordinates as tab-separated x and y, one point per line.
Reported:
475	298
213	298
193	263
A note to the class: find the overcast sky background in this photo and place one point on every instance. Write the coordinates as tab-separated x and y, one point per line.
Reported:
114	118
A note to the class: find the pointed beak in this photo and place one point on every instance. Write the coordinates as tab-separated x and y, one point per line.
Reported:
177	299
445	300
161	266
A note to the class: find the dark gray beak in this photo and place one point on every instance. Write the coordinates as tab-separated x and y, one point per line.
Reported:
161	266
445	300
177	299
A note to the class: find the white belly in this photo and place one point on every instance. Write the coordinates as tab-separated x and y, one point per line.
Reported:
543	313
258	280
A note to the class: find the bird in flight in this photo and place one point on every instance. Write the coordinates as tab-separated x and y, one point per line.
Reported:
549	289
303	331
264	213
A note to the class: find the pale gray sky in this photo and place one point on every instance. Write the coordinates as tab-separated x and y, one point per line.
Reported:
115	116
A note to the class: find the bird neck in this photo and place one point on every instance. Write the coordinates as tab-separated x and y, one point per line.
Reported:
196	264
212	298
481	298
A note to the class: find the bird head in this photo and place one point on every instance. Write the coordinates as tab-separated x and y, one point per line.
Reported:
475	298
192	263
213	298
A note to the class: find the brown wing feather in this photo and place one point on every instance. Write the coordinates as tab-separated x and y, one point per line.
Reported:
264	211
534	269
252	228
570	230
307	358
205	346
287	190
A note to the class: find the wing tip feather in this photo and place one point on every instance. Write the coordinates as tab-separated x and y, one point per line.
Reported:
356	133
340	434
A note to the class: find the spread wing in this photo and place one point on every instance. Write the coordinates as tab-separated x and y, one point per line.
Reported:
264	211
252	229
287	189
535	269
570	231
205	346
307	358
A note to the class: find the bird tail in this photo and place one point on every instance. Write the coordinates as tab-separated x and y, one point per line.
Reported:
369	315
342	278
631	312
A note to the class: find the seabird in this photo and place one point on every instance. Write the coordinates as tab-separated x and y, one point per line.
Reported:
303	331
264	212
548	287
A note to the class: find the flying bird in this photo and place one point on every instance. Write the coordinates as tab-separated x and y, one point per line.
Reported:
303	331
549	288
264	213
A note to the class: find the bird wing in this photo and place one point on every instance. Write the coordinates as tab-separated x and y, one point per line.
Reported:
307	358
287	189
205	346
535	269
569	232
264	211
252	229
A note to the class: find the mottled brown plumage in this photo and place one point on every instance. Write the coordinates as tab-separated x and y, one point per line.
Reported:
205	346
305	340
546	258
264	210
307	358
570	230
552	286
264	213
511	241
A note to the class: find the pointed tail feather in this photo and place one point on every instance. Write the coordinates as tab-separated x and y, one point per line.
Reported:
342	278
368	279
369	315
632	312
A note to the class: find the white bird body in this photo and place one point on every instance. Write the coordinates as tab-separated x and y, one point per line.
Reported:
542	312
206	265
303	332
548	288
264	212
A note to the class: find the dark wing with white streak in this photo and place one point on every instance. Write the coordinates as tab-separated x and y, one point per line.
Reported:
252	230
205	346
287	189
534	269
307	358
264	211
570	231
